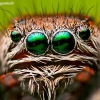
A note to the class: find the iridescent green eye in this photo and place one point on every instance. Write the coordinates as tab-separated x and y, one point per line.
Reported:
63	42
37	43
84	34
16	36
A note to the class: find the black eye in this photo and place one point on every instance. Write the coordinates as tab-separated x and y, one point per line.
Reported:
63	42
37	43
84	33
16	36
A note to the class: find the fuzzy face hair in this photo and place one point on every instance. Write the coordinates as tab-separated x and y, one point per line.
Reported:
49	72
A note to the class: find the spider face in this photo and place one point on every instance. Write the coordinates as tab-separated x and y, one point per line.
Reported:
47	53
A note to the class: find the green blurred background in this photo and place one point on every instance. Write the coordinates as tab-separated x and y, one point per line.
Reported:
16	8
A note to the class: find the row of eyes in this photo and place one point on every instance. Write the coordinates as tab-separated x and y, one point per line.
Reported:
63	42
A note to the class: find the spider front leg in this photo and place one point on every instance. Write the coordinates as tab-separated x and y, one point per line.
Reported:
76	88
8	80
10	88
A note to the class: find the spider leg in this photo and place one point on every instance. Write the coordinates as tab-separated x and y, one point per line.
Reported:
74	90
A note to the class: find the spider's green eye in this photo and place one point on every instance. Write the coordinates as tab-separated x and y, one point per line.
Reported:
16	36
37	43
84	34
63	42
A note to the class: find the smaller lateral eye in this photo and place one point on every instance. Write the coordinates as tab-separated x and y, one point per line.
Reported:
84	33
16	36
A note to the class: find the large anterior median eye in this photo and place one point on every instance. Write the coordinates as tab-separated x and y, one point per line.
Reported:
16	36
63	42
84	33
37	43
